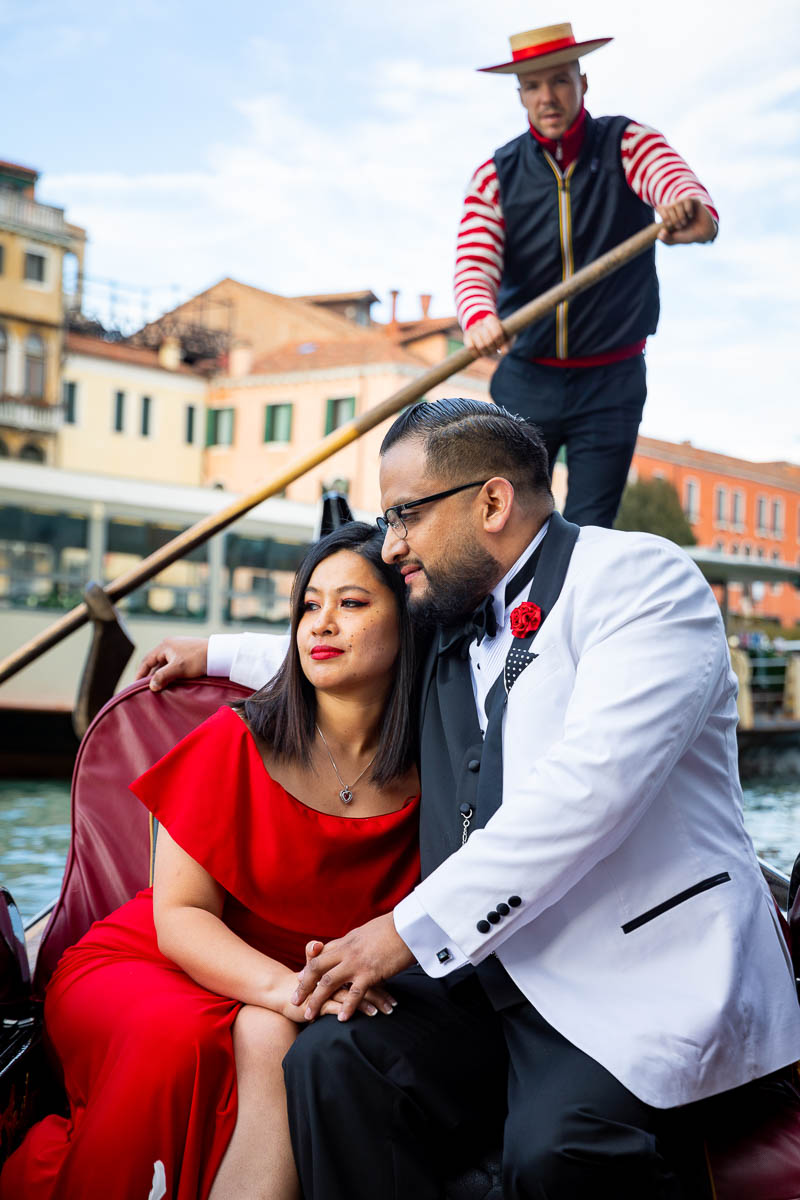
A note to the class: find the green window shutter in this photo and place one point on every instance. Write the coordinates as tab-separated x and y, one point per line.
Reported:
211	426
269	421
340	410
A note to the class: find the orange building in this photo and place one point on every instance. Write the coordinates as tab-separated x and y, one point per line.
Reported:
737	507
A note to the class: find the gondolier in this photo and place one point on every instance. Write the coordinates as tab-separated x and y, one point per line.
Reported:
545	204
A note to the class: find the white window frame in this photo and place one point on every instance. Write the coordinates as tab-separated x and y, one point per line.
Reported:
46	285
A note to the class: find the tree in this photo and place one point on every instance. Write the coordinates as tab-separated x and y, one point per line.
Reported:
653	506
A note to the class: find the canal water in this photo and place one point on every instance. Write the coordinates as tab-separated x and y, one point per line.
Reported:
34	825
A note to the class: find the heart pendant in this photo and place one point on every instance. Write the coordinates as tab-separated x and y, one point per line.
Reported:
345	795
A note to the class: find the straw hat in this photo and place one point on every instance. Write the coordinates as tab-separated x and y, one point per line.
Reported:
549	46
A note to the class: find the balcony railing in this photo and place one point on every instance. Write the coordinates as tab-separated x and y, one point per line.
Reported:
20	212
30	416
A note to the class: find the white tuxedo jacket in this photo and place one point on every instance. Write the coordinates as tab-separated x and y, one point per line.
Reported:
645	932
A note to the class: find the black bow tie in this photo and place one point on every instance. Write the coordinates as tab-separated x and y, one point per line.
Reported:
483	622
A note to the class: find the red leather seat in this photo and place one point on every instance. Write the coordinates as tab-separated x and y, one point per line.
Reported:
109	855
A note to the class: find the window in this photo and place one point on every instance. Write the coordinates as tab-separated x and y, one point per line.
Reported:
747	549
189	424
720	499
35	265
737	509
777	518
44	557
734	548
219	427
3	351
69	399
179	590
761	514
777	588
2	258
147	412
278	423
34	367
692	499
119	412
339	411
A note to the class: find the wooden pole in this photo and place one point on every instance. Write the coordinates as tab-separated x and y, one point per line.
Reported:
216	522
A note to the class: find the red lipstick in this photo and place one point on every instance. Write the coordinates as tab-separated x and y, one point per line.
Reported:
323	652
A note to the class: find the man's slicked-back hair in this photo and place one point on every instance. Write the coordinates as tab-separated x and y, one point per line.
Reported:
470	439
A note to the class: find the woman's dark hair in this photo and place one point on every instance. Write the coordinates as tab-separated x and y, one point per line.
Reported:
284	712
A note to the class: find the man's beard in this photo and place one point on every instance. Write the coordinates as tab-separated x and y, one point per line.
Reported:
455	589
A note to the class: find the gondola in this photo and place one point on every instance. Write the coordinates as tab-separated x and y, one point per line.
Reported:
754	1147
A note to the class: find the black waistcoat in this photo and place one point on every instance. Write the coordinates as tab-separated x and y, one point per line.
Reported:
555	225
451	745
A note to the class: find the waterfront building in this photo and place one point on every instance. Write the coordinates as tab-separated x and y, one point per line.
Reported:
41	268
296	368
736	507
131	411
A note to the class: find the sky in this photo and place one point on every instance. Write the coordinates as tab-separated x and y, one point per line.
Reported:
316	147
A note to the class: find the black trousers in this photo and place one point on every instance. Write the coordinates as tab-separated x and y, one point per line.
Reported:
594	412
383	1108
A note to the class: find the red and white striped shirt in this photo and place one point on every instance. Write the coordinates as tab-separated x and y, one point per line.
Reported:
654	171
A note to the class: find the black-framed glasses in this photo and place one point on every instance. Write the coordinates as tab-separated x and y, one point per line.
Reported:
393	517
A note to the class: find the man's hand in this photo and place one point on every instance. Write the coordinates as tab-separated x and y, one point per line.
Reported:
686	221
174	658
487	336
362	958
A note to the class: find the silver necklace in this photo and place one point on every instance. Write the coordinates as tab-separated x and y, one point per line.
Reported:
346	794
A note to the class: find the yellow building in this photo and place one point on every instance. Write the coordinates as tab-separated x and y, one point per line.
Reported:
131	412
41	267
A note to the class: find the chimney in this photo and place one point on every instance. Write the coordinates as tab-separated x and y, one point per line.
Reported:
394	293
240	359
169	354
425	302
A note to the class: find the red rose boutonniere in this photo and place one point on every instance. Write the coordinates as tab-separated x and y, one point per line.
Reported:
525	619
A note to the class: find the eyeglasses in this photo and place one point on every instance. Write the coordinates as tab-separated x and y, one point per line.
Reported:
393	517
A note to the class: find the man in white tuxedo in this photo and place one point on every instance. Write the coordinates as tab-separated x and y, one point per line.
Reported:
591	905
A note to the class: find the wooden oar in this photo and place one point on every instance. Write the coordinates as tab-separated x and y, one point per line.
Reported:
215	523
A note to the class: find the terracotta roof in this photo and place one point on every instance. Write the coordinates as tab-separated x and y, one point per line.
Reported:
325	297
355	352
373	347
18	169
337	325
81	343
688	455
407	330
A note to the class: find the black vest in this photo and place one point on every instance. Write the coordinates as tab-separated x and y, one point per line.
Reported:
554	222
451	745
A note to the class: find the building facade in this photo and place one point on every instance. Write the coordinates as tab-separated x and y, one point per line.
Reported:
737	507
41	267
131	412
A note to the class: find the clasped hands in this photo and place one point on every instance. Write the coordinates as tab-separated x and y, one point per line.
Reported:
357	962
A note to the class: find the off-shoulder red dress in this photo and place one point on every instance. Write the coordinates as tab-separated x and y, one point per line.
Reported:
146	1052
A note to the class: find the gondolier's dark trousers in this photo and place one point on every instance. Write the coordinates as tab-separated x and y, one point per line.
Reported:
382	1108
593	412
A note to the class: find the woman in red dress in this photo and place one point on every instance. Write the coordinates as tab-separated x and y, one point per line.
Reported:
287	818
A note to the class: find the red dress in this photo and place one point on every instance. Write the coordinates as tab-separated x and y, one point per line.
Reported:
146	1052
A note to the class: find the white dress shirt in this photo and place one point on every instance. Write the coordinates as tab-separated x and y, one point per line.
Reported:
419	931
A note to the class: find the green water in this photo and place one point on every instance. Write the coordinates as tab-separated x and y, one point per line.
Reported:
34	827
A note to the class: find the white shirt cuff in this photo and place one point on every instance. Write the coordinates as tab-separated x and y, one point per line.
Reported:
434	951
222	648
